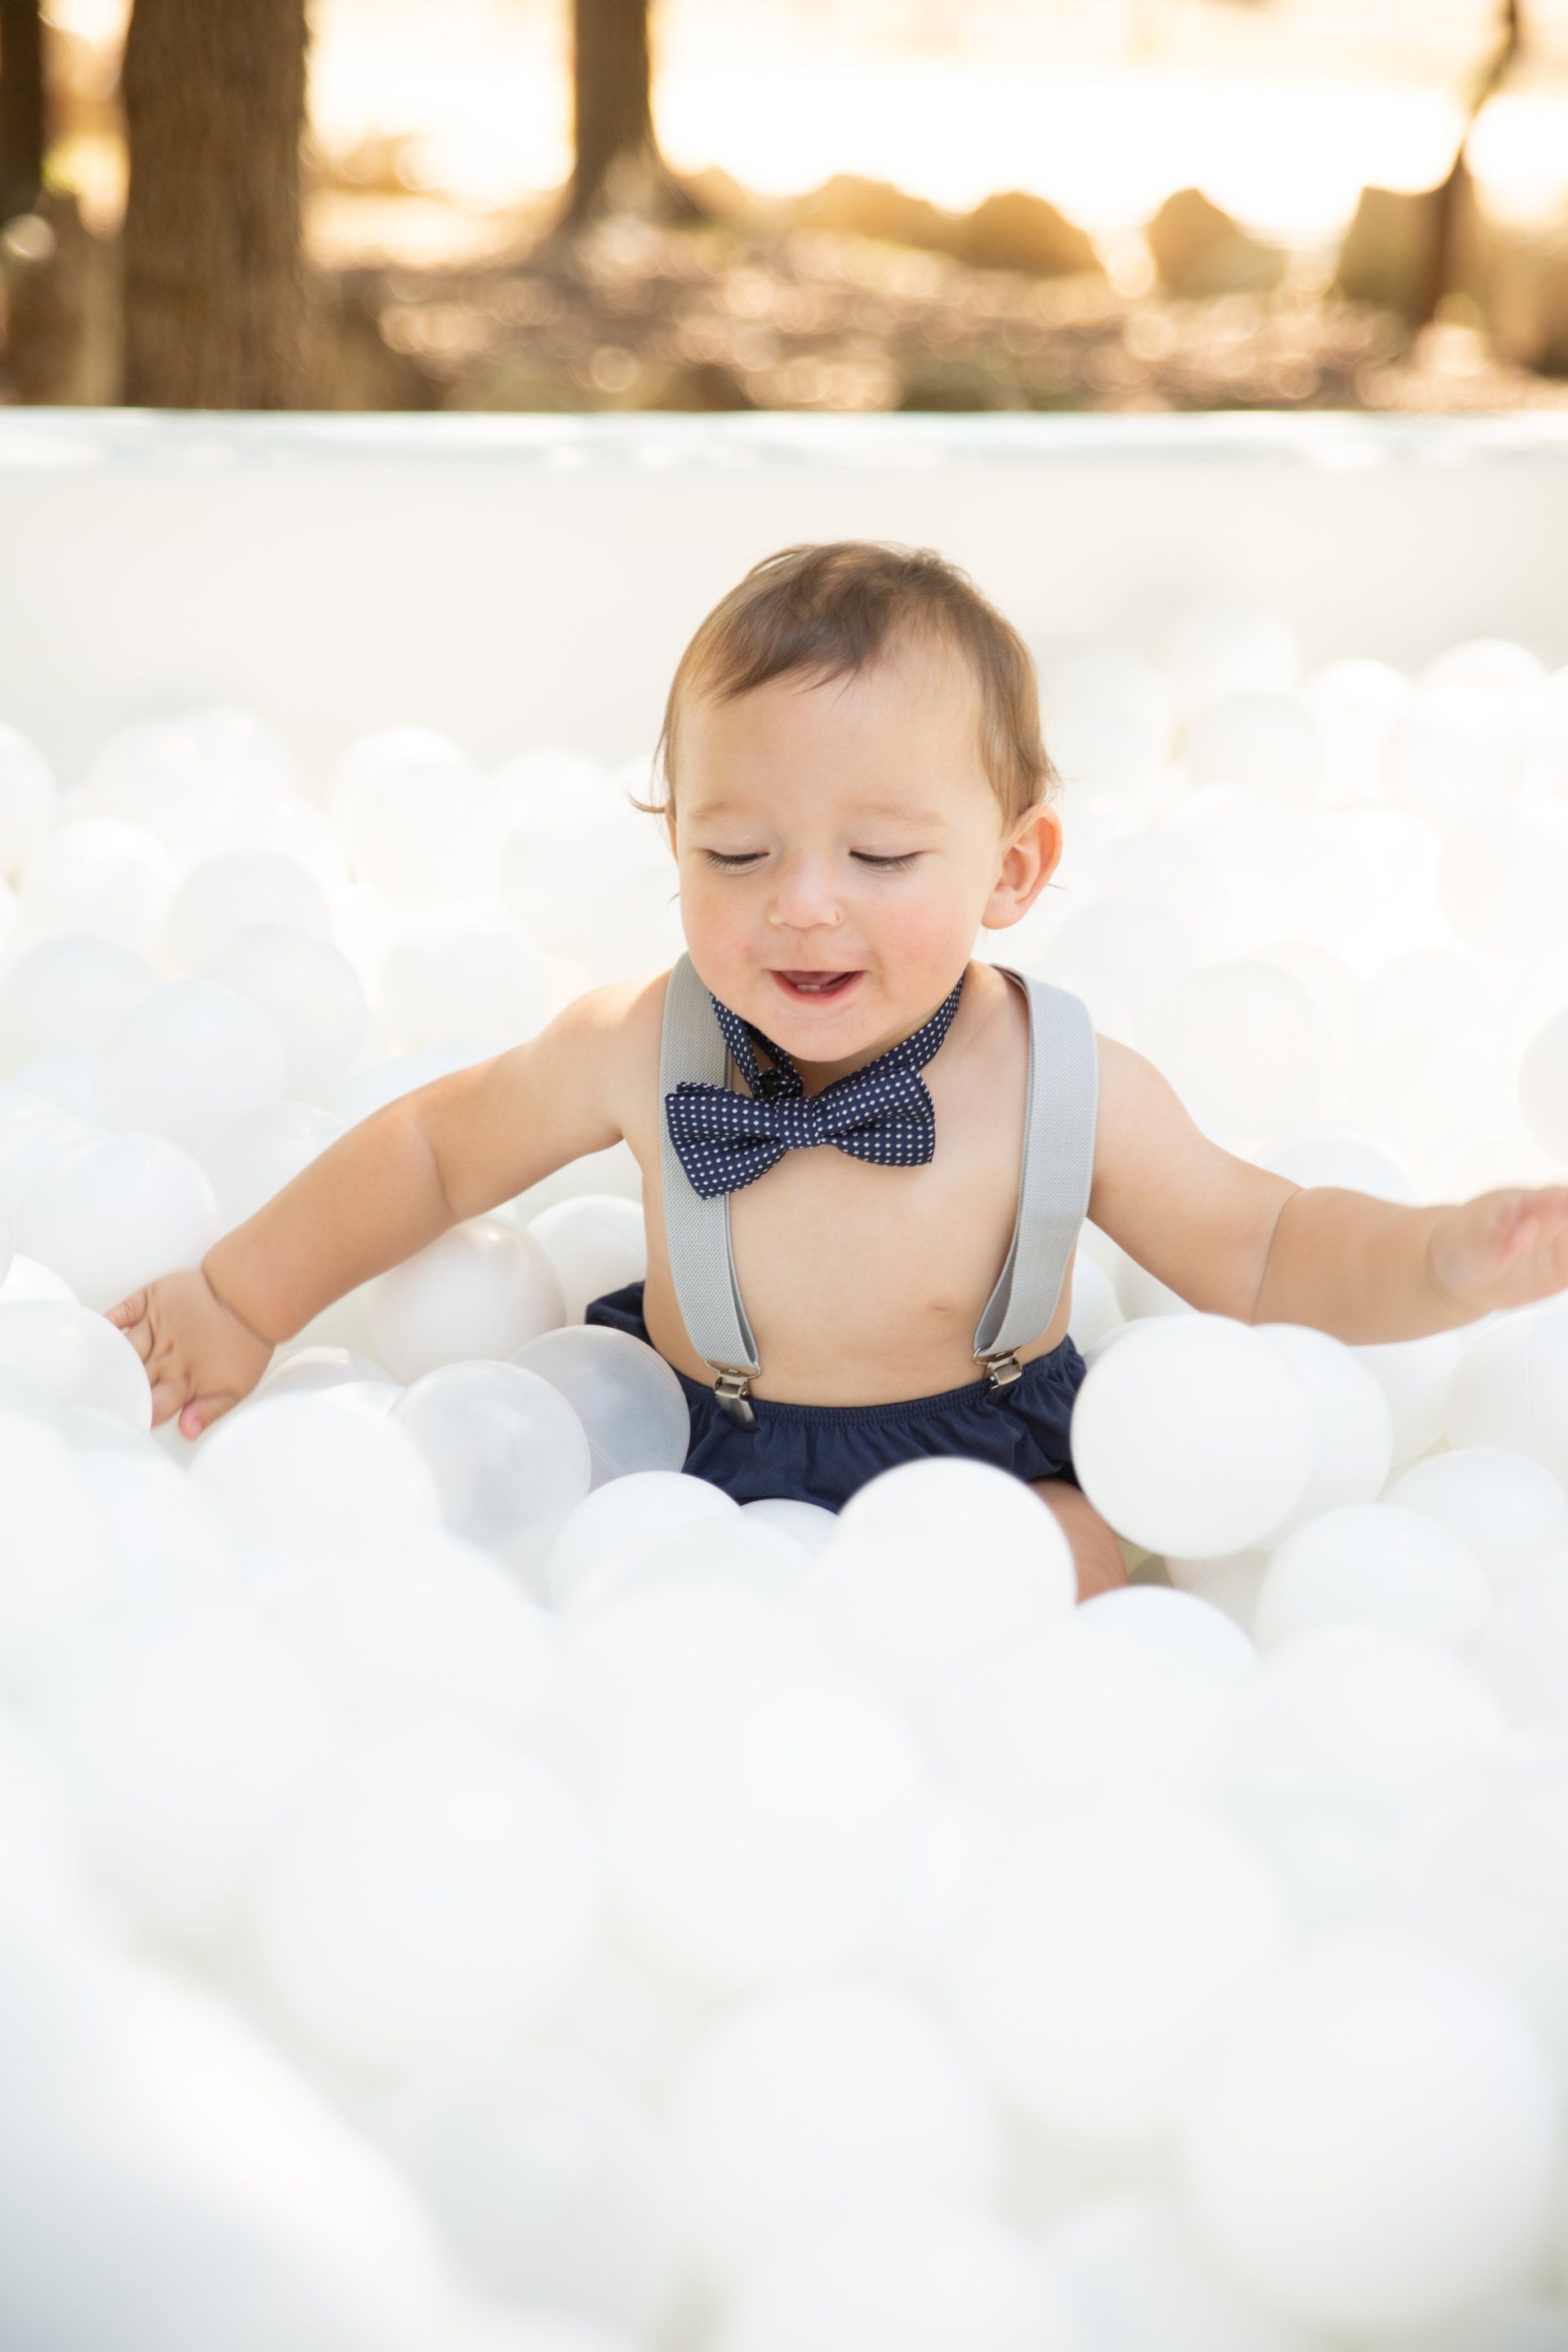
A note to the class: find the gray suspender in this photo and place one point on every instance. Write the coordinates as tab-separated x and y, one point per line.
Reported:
1053	1191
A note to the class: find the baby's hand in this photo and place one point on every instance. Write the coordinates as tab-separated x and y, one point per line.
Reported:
200	1358
1501	1249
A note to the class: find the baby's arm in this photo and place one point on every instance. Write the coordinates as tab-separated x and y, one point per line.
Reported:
1232	1238
392	1184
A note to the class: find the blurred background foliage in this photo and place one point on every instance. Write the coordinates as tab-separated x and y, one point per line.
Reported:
905	205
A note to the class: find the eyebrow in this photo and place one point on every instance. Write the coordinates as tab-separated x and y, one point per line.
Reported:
926	817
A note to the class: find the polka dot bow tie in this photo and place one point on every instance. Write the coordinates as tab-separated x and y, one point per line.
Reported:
883	1112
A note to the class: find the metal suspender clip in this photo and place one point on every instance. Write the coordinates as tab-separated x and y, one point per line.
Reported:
732	1390
1001	1371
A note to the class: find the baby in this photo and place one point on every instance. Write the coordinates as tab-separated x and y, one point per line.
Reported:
865	1156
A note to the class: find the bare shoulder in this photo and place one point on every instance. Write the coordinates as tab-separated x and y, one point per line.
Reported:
1197	1216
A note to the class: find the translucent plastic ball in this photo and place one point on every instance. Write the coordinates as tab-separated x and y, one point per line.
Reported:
255	1155
757	1823
454	969
186	1059
1219	647
440	1889
625	1511
309	990
797	2104
1356	704
185	1741
596	1241
58	1567
26	798
905	2274
910	1608
1508	1510
384	751
1375	2145
547	2177
63	994
117	1211
1271	744
1505	872
312	1469
1244	1046
1523	1652
1133	2273
415	829
1093	1964
482	1288
1110	715
95	874
432	1625
1374	1564
225	896
509	1457
1510	1388
627	1399
1192	1435
1459	747
77	1355
1352	1425
1088	1704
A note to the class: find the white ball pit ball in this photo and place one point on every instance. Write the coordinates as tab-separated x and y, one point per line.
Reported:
185	1742
415	830
1088	1704
1415	1376
116	1212
1505	871
1110	715
430	1626
304	1371
1523	1652
625	1511
309	990
509	1457
42	1865
1092	1965
1542	1084
58	1568
225	896
1510	1388
628	1400
1356	703
440	1888
758	1823
1374	1564
480	1289
1375	2144
98	875
910	2274
63	1079
741	1552
7	1246
454	969
547	2177
951	1499
186	1060
60	996
1133	2273
26	798
1243	1044
807	1523
1353	1423
1270	744
1509	1510
910	1609
1192	1435
382	752
77	1355
1218	648
314	1469
794	2104
596	1242
256	1154
1171	1620
33	1135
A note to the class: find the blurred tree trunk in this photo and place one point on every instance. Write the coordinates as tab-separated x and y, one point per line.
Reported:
1441	273
618	164
23	112
216	311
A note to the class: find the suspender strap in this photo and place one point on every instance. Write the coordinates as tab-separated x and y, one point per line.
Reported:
1056	1177
701	1261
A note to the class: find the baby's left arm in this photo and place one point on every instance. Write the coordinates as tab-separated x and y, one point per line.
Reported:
1232	1238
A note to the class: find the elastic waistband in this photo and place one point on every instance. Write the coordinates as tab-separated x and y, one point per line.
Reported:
1061	1362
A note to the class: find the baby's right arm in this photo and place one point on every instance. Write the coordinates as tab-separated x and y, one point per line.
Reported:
392	1184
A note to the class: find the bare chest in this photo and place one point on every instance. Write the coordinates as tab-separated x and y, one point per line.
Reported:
864	1283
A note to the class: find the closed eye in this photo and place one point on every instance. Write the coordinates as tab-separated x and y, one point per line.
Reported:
884	865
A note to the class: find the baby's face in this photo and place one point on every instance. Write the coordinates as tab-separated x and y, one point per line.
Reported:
847	826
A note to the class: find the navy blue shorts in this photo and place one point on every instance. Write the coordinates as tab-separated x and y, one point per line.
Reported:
822	1453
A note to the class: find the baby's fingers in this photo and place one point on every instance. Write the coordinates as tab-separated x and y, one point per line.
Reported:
131	1317
201	1411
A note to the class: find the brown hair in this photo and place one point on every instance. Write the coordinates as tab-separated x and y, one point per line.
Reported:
832	607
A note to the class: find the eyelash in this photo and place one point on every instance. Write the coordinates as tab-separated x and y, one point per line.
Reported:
883	865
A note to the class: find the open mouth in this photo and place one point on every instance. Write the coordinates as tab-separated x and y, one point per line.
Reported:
804	986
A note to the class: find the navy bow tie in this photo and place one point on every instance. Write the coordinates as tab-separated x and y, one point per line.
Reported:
882	1112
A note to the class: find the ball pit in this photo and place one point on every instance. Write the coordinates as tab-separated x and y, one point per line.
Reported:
466	1885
